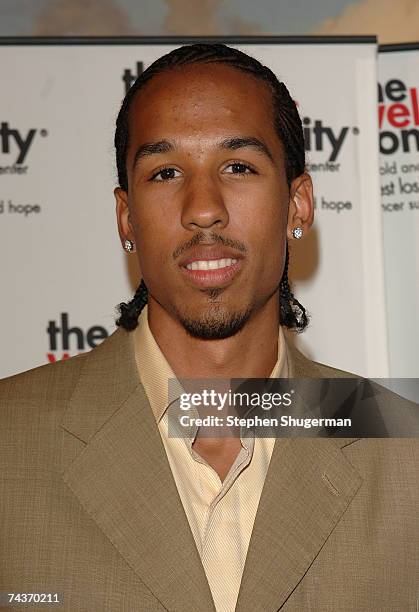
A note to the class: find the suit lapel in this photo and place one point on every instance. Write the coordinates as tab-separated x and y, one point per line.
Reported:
123	479
308	487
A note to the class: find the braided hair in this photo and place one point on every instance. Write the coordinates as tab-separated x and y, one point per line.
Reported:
287	124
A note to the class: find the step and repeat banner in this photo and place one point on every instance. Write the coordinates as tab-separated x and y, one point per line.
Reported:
398	113
63	269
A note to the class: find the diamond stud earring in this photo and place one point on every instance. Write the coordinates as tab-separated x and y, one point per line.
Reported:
129	245
297	232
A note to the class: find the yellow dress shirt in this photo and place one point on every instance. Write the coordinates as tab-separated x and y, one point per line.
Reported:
221	514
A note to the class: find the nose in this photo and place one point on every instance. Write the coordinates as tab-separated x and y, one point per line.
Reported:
203	204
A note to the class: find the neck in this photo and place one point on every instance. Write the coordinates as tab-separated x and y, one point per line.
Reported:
251	353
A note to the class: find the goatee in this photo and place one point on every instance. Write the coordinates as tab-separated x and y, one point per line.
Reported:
216	326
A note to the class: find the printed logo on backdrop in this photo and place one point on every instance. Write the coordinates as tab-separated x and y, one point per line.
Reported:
15	146
129	77
15	150
398	119
320	137
65	340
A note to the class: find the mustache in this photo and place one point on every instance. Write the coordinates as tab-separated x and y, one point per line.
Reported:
202	237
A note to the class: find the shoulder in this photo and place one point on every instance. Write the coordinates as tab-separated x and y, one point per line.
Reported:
32	407
327	371
376	410
58	380
42	390
303	367
42	380
41	396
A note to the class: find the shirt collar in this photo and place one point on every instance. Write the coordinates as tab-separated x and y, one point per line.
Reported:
155	371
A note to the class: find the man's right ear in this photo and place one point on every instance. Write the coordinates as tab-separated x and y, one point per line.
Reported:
122	214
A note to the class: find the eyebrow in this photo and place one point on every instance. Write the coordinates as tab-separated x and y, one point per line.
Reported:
240	142
152	148
247	141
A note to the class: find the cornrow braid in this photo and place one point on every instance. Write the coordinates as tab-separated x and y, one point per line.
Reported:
292	313
287	123
130	311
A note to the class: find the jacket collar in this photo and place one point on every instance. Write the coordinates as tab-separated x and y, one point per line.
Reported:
123	480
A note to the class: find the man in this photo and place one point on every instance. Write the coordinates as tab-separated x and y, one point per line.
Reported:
100	503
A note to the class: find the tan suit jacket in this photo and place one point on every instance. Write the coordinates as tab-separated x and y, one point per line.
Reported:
89	507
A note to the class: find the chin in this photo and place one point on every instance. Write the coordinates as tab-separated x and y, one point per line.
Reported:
215	322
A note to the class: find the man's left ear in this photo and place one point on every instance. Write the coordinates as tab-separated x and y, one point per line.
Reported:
123	217
301	205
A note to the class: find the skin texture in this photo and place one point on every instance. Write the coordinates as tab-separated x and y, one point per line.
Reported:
211	195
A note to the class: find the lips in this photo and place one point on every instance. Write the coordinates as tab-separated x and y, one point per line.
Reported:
211	266
209	252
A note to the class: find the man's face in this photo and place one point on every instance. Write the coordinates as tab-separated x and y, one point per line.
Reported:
207	203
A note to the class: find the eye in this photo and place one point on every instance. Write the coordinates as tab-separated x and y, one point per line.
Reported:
165	174
239	168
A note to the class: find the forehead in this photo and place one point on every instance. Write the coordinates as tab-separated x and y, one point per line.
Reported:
202	97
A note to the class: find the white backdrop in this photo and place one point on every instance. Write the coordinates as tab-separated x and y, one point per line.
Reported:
399	169
63	269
